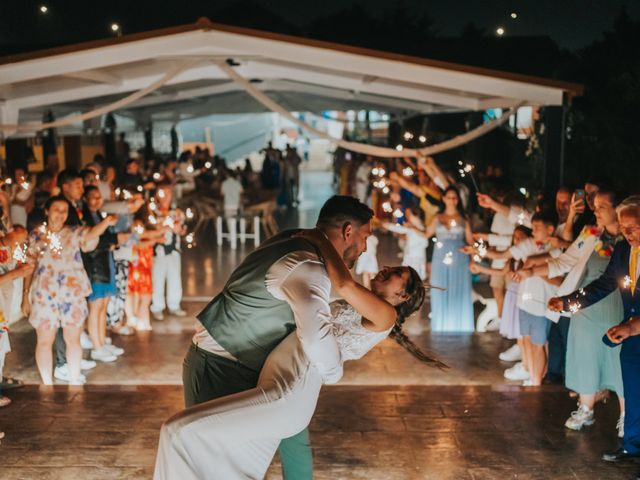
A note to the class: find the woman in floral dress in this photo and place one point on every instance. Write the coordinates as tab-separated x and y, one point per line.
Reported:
56	294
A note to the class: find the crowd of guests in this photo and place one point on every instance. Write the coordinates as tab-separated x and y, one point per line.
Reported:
562	270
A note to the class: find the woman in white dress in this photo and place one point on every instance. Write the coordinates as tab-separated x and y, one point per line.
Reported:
235	437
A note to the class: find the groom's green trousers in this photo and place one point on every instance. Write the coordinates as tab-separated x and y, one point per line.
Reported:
206	376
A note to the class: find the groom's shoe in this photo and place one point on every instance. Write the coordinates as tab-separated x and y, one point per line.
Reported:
619	455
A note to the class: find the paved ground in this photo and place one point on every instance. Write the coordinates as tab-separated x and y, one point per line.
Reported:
389	418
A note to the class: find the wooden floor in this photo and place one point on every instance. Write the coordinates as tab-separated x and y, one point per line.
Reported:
414	432
389	418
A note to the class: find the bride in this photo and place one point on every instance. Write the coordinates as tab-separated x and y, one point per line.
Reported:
236	437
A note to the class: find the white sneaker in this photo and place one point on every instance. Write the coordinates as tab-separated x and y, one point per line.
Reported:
620	426
62	373
117	351
517	372
178	313
103	355
85	341
87	364
81	380
582	417
527	383
512	354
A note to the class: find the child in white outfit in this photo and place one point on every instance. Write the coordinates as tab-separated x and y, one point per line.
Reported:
415	247
367	264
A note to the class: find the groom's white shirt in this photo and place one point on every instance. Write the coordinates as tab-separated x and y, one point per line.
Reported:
300	279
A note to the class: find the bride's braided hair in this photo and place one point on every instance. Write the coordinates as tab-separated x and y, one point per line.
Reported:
416	292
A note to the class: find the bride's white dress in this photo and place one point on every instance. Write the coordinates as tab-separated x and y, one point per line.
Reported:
236	437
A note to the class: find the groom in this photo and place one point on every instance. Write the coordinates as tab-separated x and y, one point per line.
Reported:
280	287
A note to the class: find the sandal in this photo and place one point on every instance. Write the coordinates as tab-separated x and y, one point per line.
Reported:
9	383
4	401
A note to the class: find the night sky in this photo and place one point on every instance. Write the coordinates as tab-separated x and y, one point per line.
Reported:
571	23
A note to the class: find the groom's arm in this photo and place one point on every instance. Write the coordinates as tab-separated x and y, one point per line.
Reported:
301	280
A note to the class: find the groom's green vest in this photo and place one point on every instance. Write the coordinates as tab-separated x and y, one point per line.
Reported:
244	318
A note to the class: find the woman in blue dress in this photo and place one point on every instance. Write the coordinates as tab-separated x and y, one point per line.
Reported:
451	309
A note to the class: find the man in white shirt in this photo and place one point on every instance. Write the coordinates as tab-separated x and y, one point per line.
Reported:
280	287
231	190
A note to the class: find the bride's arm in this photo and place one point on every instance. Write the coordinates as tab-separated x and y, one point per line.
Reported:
380	315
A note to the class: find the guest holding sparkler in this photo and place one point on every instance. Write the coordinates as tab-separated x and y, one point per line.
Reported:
451	309
55	296
591	366
12	267
621	274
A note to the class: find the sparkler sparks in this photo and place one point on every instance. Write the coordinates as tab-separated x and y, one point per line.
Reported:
521	218
208	165
139	229
25	185
627	282
574	307
448	258
189	239
53	240
189	213
386	207
152	220
398	213
156	176
190	169
407	172
20	253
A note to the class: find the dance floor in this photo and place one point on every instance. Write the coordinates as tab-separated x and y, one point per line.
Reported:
389	418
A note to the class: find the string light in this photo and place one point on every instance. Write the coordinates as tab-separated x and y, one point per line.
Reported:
422	138
189	240
448	258
407	136
399	147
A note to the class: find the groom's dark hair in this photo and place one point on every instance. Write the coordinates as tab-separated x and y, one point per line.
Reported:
340	209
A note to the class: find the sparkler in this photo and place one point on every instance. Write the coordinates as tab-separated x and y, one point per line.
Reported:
169	222
140	188
467	169
521	218
448	258
190	169
161	193
188	213
407	172
156	176
399	147
55	245
103	215
422	138
20	253
627	281
8	181
386	207
152	220
574	307
407	136
126	195
398	213
25	185
385	190
481	247
139	229
208	165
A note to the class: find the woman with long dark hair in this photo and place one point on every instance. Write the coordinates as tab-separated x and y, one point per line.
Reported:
451	307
